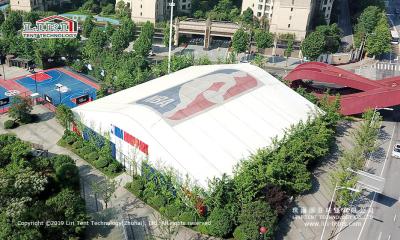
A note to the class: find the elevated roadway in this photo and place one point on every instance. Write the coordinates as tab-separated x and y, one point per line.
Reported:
382	93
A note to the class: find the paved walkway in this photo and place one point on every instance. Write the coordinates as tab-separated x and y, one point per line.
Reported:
123	205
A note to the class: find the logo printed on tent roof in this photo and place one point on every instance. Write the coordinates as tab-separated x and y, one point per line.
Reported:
181	102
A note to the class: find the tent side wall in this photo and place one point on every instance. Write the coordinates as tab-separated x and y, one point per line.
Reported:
130	150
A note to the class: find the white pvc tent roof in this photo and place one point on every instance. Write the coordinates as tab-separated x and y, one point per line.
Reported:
202	120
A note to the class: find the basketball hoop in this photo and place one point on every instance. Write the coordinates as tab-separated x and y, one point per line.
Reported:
11	93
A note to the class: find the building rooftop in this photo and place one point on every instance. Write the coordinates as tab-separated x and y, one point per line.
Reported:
202	120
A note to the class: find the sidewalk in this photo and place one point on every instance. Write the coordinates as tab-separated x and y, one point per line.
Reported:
123	205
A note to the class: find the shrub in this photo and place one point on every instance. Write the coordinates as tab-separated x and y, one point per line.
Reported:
93	156
136	187
221	223
70	139
187	217
258	213
246	231
157	201
86	150
60	160
171	211
114	167
101	163
10	124
78	144
68	175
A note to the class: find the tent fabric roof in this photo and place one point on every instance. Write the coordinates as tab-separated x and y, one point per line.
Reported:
203	120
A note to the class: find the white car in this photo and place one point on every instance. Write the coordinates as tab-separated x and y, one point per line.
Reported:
396	150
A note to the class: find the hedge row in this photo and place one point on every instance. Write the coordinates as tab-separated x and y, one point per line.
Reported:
92	154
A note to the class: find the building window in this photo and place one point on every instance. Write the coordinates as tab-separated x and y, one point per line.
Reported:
260	7
324	9
291	9
292	2
329	8
268	1
288	26
140	13
290	17
183	7
325	2
188	5
267	8
258	14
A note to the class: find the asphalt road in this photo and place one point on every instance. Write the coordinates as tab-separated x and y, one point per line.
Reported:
377	215
384	223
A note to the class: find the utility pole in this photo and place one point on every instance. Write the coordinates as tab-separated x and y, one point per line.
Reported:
172	4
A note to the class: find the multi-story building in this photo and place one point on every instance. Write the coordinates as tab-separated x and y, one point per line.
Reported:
27	5
288	16
155	10
326	9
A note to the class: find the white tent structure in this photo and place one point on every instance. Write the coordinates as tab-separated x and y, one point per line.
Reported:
201	120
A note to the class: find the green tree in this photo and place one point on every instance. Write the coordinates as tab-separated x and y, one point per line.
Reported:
118	42
128	29
109	29
64	115
2	18
248	16
259	61
68	206
12	24
166	35
88	26
263	39
105	189
313	45
332	37
378	42
366	23
122	10
288	50
68	176
94	45
20	109
240	41
31	17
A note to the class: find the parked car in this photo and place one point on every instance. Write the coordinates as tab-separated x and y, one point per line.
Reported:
396	150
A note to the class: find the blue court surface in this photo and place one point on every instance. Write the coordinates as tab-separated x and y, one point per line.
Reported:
3	95
59	86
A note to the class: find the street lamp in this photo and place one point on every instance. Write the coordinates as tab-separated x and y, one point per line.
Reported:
331	202
34	74
59	91
2	64
172	4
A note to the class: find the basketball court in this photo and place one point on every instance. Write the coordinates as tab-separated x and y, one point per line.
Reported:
54	86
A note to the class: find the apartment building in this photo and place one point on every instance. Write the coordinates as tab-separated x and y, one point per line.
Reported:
289	16
155	10
326	9
27	5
